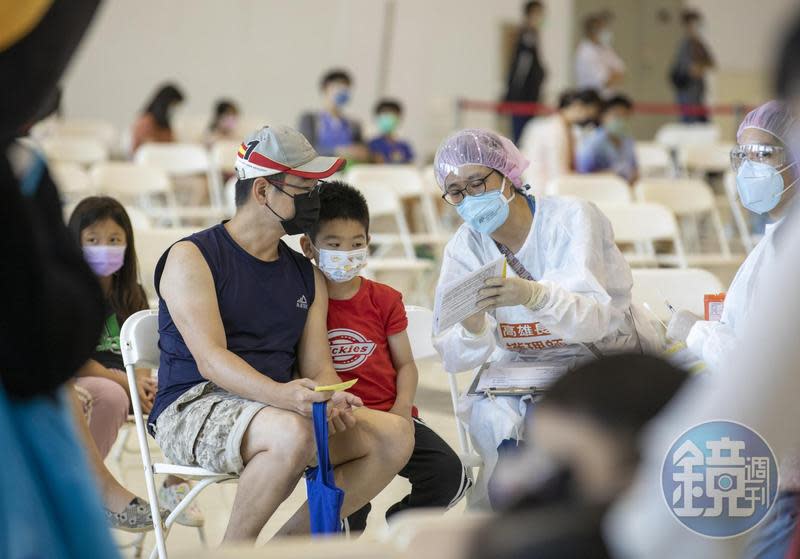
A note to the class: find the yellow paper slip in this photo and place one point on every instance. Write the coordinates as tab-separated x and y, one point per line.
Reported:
336	387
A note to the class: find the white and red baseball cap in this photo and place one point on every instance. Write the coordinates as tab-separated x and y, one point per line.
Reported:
281	149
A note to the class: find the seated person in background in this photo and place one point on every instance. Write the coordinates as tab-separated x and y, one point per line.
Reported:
154	124
329	130
584	453
243	337
365	313
387	148
549	142
102	227
610	147
224	123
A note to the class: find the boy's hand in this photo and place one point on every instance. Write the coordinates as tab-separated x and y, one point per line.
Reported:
340	412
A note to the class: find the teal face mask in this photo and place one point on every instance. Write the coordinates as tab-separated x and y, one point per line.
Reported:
760	186
487	212
617	127
387	122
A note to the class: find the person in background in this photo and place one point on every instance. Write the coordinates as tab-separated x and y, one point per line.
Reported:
387	147
692	62
566	290
102	227
584	453
549	143
224	122
363	313
526	73
155	122
610	147
597	65
766	179
330	131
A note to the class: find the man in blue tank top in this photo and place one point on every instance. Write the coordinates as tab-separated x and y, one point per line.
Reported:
243	338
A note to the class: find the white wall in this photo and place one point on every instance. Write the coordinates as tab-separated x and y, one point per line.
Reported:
269	55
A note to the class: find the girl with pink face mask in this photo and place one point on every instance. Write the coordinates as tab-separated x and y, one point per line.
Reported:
102	227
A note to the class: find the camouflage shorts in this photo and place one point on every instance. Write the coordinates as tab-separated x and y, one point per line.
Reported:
205	427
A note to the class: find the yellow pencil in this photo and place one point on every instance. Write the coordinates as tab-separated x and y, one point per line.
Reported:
505	262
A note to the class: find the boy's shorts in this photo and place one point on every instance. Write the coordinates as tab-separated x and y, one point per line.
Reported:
205	427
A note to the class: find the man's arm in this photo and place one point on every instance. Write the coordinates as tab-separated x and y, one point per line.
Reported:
187	287
407	374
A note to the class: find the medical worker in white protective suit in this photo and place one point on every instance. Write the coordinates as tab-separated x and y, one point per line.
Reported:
766	174
567	294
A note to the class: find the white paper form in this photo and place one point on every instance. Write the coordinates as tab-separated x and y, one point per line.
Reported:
458	299
519	375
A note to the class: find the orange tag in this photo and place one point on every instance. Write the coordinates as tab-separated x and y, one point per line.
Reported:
713	306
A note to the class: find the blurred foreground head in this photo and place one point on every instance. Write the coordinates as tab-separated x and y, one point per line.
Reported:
37	41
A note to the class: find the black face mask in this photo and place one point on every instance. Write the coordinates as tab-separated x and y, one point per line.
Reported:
306	212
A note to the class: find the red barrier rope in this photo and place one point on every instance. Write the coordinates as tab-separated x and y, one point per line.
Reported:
535	109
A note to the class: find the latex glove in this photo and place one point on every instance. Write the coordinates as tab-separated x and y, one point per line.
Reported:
680	325
510	292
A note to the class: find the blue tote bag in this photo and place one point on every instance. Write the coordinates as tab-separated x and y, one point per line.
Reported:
324	498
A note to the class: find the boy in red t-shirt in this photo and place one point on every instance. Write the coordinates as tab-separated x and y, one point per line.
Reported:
367	334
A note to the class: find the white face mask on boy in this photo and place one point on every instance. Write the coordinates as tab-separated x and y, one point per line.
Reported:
342	265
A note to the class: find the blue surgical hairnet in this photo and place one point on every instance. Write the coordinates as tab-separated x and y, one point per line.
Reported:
474	146
773	117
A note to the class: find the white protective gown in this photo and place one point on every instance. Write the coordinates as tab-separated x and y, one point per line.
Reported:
714	341
570	250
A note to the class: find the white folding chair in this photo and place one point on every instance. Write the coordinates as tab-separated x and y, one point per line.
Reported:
141	186
407	183
151	243
653	160
190	128
385	203
223	156
72	181
185	160
677	134
420	332
699	159
139	345
684	289
600	188
641	225
78	150
93	128
690	200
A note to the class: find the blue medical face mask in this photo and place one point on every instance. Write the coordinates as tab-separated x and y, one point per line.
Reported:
342	97
760	186
487	212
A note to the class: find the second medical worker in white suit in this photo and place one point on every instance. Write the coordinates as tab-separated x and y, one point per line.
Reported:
567	294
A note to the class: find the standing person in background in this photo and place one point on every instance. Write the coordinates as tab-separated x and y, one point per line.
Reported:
597	66
329	130
387	147
154	124
526	74
610	147
549	142
224	122
688	75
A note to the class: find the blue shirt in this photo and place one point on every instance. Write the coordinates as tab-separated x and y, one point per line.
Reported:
391	151
333	132
597	152
263	306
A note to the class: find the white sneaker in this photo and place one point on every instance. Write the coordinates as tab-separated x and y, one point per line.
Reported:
169	497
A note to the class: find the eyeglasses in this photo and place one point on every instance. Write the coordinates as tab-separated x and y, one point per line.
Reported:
475	187
307	191
774	156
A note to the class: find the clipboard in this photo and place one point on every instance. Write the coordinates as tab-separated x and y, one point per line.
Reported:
547	372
